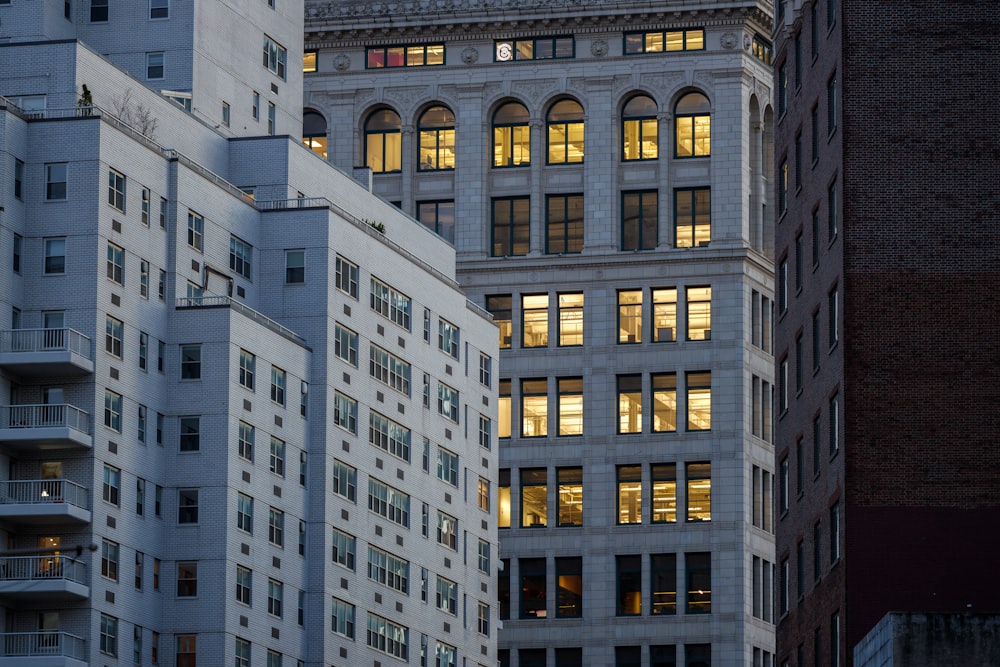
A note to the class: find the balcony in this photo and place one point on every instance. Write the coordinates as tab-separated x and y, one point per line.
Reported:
30	427
45	352
45	579
41	649
45	502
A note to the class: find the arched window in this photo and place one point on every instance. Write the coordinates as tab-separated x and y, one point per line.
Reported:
693	126
437	139
383	138
565	132
314	132
639	129
511	136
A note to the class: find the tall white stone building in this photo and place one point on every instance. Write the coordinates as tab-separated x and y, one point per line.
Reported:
255	387
602	170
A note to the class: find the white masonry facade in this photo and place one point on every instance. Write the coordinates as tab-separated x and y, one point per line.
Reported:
253	386
602	170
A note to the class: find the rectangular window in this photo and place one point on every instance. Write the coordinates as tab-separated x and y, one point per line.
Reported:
295	267
343	549
485	432
447	596
248	366
570	319
447	466
187	506
503	498
278	379
483	494
699	313
18	179
817	552
664	387
831	104
140	496
564	224
630	404
272	117
447	402
832	313
438	216
664	493
389	369
831	210
388	502
511	226
16	254
276	527
161	286
244	584
143	279
663	583
245	441
155	65
109	635
187	579
346	278
113	410
345	412
501	308
277	460
116	189
447	531
55	174
484	556
391	304
540	48
413	55
532	587
139	561
244	513
570	415
692	217
448	338
190	434
274	57
504	414
385	636
342	618
834	534
112	485
629	495
534	498
195	231
640	218
665	315
109	559
783	187
782	92
187	650
55	255
275	597
535	320
483	618
628	576
699	400
664	41
569	587
699	582
242	651
699	491
485	370
116	264
159	9
345	480
534	408
389	435
629	316
113	332
240	256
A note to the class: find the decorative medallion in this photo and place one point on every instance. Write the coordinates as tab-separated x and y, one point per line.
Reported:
599	48
729	40
341	62
470	55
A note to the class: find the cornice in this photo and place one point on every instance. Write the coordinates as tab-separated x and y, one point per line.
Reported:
343	23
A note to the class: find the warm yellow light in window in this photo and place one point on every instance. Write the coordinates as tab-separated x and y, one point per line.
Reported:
309	61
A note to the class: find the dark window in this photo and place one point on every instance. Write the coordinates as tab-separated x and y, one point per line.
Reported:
511	226
532	587
564	224
639	220
629	584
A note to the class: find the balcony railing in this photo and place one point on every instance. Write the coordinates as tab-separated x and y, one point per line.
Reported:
42	492
42	568
45	340
45	416
216	301
30	644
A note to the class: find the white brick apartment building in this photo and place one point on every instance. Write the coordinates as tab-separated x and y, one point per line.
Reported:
602	172
275	422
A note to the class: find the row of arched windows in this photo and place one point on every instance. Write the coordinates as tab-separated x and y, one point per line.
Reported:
564	134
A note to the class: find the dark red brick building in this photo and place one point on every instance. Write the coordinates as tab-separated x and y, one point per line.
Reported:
887	241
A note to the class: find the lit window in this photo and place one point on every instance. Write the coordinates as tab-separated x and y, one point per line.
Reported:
309	61
504	416
436	129
483	494
640	129
699	313
699	401
699	492
570	319
660	41
630	404
155	65
629	494
503	498
347	277
565	129
699	582
663	583
414	55
116	190
499	306
664	402
511	136
534	408
534	498
639	220
116	264
570	407
439	217
630	316
55	180
664	315
628	570
535	320
511	226
569	587
314	127
564	224
664	493
762	50
383	141
274	56
570	498
692	217
533	587
542	48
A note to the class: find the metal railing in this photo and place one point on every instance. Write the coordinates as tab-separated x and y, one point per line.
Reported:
42	568
26	644
216	301
45	340
44	416
43	492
